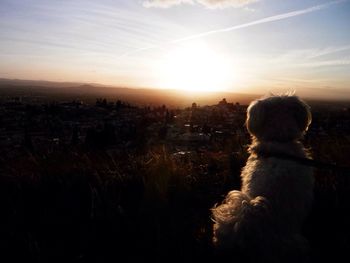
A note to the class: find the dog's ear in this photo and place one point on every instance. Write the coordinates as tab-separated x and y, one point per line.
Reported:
255	117
302	113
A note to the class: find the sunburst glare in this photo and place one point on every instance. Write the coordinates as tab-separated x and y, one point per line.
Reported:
196	68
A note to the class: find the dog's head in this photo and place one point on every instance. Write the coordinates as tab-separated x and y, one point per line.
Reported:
278	118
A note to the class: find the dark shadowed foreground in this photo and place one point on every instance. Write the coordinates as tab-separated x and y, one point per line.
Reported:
139	192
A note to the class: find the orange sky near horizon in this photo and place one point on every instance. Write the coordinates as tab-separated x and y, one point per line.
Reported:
235	46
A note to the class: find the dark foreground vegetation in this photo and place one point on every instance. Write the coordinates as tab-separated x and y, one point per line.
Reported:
114	182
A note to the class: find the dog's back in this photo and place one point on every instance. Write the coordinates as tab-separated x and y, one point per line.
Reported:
286	184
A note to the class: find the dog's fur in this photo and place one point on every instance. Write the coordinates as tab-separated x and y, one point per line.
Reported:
263	221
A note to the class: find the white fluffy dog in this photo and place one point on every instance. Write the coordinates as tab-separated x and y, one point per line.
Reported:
263	221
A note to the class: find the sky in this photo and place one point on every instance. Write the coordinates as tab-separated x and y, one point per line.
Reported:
196	45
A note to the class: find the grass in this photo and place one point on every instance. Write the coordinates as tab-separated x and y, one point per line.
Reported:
77	205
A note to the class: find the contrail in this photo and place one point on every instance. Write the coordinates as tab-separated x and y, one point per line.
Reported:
253	23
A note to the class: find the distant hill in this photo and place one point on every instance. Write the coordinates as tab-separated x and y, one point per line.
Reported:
43	83
89	92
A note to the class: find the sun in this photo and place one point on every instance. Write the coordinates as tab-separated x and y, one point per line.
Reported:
195	68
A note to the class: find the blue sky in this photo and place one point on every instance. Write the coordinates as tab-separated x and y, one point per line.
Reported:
261	45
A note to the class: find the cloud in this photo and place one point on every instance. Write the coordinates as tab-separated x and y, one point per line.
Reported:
328	51
328	63
313	57
211	4
262	21
237	27
165	3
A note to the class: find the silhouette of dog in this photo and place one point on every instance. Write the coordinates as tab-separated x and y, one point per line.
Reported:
263	221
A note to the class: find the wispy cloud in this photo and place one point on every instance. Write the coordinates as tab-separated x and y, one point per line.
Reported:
313	57
211	4
165	3
263	21
245	25
79	27
308	54
328	51
328	63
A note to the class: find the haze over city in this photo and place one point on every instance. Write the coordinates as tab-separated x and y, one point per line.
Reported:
250	46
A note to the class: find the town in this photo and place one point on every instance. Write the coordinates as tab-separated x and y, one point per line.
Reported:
119	125
104	170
